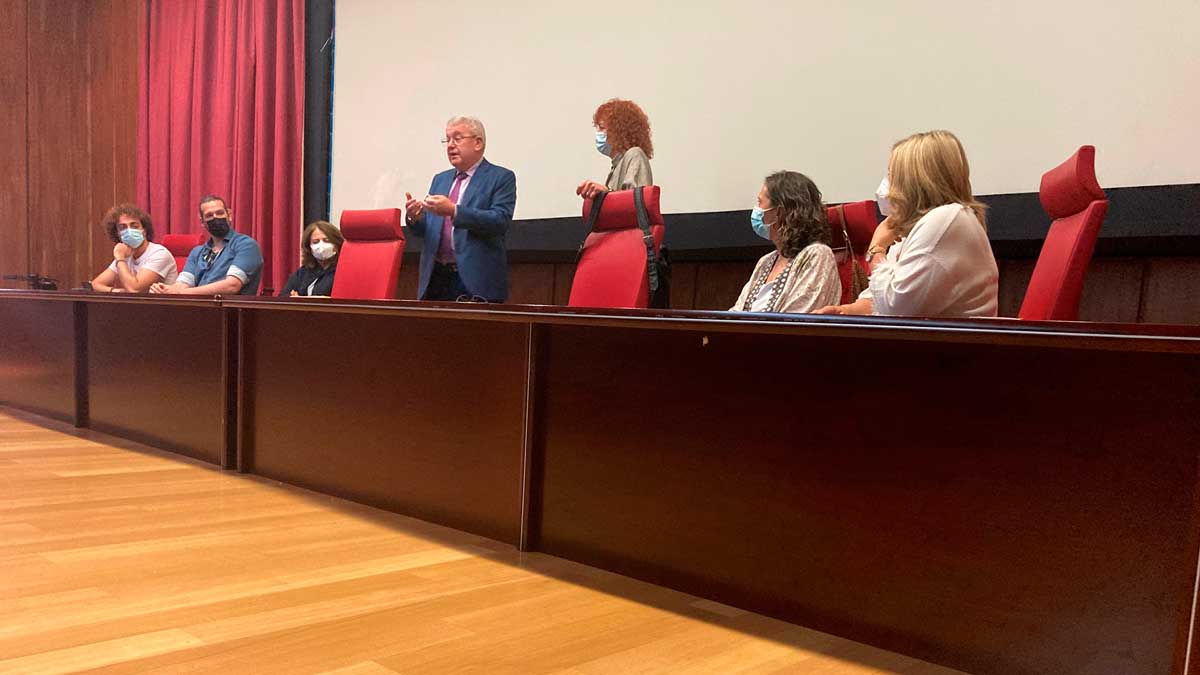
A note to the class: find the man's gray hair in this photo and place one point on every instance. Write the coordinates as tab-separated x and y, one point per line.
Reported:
472	122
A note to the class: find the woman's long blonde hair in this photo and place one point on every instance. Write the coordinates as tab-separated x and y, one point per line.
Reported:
928	170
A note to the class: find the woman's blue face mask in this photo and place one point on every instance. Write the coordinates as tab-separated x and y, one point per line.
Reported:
761	228
602	145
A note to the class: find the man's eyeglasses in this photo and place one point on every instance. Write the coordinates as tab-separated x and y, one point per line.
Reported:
456	140
471	298
208	256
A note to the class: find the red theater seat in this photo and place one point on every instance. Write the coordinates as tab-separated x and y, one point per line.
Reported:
369	263
860	226
612	269
1071	195
180	245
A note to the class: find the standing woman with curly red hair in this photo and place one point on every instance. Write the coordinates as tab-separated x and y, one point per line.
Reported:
623	134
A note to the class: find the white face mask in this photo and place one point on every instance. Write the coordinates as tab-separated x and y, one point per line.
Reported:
881	193
322	250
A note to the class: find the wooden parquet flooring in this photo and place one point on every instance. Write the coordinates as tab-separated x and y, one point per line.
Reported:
116	558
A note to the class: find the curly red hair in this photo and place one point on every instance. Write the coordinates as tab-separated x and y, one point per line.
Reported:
627	126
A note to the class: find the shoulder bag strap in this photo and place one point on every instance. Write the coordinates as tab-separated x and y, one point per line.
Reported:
643	218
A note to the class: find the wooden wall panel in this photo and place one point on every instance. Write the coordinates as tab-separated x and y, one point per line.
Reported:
1014	279
58	141
683	285
113	99
1172	291
410	275
14	207
718	284
1113	290
564	276
531	284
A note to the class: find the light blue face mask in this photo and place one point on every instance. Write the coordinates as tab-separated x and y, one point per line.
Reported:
602	143
756	221
133	238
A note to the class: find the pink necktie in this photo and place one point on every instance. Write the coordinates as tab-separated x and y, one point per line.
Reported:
445	253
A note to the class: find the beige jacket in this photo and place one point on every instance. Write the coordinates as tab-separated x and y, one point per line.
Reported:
812	284
630	169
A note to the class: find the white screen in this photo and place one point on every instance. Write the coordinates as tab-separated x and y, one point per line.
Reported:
736	90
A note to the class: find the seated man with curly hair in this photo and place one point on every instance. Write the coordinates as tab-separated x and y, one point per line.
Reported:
622	134
800	275
138	262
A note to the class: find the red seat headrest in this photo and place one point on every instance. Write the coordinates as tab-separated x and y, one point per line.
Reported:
860	224
180	245
1070	187
619	213
372	225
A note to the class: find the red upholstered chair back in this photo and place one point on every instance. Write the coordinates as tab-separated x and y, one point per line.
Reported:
369	262
1071	195
860	225
180	245
612	265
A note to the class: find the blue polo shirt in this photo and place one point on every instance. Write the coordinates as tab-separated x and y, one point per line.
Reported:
240	258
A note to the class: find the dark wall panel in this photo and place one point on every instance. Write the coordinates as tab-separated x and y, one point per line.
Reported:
59	162
37	362
418	416
112	95
1112	292
531	284
971	511
155	374
718	284
14	205
1172	291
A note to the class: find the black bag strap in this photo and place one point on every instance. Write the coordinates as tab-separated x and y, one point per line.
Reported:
597	202
643	218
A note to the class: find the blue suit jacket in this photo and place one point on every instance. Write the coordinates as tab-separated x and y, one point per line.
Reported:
484	214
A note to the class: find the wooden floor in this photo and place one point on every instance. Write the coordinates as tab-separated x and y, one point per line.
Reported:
115	558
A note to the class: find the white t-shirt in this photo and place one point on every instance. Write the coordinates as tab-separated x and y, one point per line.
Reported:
943	268
156	258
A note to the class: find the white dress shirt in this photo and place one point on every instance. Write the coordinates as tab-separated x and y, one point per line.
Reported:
943	268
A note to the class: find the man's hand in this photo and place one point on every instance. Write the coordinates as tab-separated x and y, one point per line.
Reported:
588	189
159	287
440	205
830	309
413	209
121	252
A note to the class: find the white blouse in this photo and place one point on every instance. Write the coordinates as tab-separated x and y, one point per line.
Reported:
943	268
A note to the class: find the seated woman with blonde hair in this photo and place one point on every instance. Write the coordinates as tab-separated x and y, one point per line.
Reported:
138	262
930	257
800	275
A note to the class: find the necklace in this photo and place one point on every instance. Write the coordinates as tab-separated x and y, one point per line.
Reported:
776	289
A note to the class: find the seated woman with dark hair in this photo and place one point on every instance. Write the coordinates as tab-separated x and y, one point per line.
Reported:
800	275
319	248
622	134
138	262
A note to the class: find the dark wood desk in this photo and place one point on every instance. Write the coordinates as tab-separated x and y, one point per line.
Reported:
996	496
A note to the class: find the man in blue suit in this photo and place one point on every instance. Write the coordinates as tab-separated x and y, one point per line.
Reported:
463	221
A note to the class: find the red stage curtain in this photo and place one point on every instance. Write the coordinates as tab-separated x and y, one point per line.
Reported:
221	111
